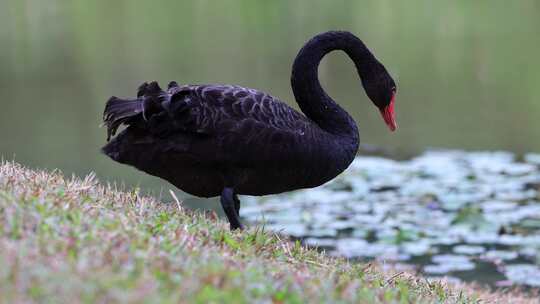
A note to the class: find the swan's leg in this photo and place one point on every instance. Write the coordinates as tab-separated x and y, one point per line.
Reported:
236	204
228	204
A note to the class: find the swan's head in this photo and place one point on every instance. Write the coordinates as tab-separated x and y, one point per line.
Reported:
381	89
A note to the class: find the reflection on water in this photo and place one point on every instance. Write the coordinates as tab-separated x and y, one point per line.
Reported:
467	72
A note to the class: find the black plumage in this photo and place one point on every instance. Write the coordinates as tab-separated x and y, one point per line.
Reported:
211	140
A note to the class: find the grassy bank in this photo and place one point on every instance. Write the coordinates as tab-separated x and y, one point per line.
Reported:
73	240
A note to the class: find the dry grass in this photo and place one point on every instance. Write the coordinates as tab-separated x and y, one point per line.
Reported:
73	240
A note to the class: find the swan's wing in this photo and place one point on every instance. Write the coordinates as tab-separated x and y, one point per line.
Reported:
222	109
238	125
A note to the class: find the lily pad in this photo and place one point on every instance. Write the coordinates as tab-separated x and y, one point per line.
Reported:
523	274
449	263
532	158
320	242
469	249
450	259
500	255
418	248
359	248
495	206
447	268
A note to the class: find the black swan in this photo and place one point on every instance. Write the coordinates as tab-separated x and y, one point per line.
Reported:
214	139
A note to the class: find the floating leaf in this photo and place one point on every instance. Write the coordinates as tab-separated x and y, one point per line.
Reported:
523	274
320	242
469	249
500	255
532	158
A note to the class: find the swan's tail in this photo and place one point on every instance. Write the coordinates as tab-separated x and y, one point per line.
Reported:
125	111
119	111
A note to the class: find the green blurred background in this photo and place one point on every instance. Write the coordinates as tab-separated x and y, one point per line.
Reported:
468	72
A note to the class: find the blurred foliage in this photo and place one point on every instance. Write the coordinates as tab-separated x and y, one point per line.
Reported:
467	71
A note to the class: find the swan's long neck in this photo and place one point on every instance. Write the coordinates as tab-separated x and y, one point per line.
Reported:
309	94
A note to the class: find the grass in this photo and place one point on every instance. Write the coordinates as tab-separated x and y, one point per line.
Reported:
73	240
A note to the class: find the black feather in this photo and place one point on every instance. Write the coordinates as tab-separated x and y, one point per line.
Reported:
118	111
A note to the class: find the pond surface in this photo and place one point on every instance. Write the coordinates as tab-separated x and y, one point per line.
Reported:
470	216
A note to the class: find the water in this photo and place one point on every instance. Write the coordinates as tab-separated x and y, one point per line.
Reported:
467	72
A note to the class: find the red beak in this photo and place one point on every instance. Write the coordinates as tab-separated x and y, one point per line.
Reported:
389	115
